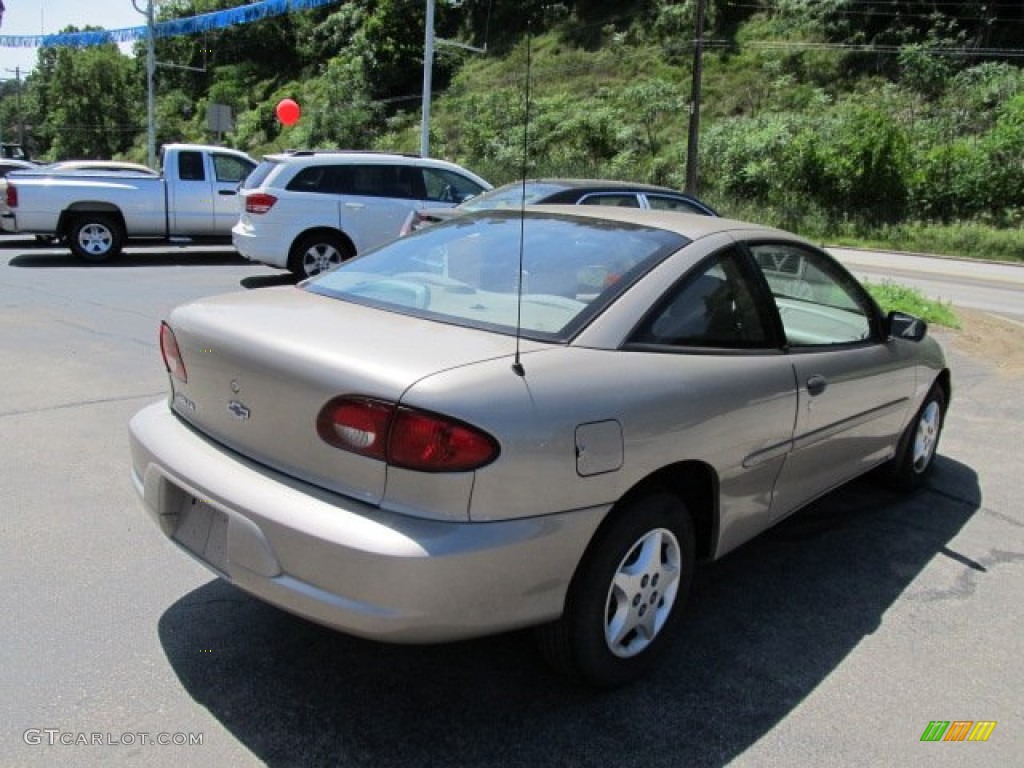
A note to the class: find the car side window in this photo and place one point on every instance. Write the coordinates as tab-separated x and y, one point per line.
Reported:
819	304
230	169
617	199
668	203
712	307
308	179
397	181
367	180
323	179
190	166
314	178
444	186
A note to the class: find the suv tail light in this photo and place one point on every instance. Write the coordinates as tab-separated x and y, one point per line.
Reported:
12	195
404	437
417	220
412	222
259	203
171	354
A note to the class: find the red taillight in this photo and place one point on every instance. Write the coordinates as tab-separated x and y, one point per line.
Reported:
259	203
433	443
404	437
171	354
12	195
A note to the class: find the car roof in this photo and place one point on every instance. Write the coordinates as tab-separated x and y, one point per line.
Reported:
690	225
308	157
179	146
327	156
210	148
609	184
557	190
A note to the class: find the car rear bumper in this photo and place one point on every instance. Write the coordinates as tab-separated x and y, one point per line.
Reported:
344	563
263	249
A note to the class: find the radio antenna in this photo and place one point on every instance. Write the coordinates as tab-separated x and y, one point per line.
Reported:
517	366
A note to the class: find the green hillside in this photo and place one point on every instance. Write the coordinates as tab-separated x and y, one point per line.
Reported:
898	123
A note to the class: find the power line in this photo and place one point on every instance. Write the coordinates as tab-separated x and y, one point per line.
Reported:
874	48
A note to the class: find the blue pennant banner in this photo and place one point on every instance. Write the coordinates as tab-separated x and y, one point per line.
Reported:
173	28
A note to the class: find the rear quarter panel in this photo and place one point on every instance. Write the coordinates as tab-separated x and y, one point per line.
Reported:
718	410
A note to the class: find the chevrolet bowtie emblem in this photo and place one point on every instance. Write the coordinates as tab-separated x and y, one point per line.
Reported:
238	410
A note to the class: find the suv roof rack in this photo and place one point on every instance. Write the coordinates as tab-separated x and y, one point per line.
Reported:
312	152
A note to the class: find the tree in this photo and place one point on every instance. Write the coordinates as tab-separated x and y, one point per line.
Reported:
85	102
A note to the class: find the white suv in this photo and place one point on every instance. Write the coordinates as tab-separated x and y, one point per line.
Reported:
308	210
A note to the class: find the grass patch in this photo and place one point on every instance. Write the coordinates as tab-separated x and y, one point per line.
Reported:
973	241
895	297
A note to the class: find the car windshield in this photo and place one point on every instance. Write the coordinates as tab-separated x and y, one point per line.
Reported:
511	196
469	271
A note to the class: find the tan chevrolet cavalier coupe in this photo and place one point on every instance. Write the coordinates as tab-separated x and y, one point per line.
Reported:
528	418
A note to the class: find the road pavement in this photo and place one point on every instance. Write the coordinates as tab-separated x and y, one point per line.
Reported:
834	639
997	288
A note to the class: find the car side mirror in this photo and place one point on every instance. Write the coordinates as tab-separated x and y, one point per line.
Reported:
900	325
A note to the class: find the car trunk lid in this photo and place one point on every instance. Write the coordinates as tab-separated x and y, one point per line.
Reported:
260	366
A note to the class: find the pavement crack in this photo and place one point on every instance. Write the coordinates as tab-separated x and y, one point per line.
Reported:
104	334
70	301
80	404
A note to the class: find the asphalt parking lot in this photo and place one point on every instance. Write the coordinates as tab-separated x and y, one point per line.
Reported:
834	639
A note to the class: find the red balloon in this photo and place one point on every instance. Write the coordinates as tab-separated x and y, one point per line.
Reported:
288	112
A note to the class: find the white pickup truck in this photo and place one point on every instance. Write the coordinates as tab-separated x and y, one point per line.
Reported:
96	212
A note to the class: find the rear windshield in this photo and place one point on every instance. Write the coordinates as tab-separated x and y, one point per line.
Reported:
259	174
511	196
469	271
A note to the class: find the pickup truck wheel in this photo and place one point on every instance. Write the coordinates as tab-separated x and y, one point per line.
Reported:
96	237
317	253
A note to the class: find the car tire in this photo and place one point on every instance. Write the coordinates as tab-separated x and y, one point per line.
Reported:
915	452
317	253
626	599
96	237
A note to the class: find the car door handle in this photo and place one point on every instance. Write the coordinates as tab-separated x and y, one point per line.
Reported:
354	205
816	385
227	192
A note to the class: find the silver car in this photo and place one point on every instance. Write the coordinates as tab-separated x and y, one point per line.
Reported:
528	418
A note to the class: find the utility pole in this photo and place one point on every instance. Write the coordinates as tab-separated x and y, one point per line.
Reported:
694	131
17	103
150	70
428	73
